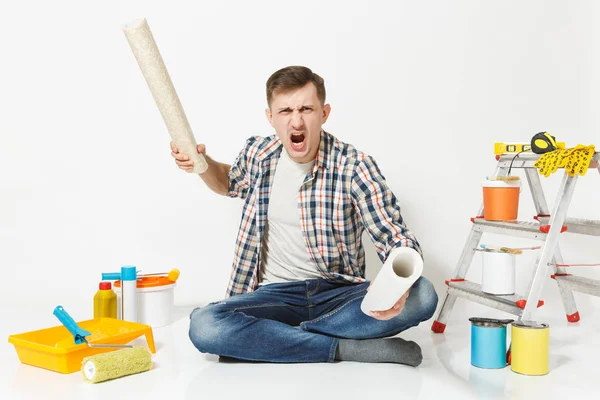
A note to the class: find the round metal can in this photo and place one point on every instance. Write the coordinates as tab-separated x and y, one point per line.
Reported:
488	342
529	352
498	272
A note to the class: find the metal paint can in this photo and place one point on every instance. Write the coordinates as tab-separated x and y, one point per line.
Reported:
498	272
488	342
529	352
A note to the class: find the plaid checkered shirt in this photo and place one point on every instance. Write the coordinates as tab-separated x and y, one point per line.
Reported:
344	194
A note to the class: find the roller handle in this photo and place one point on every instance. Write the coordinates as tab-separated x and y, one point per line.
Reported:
110	276
64	317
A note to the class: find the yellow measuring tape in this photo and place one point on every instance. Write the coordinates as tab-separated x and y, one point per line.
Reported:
575	160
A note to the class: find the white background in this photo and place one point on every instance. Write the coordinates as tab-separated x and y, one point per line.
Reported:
87	183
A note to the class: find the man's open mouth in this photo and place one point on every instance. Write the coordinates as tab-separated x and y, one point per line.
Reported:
297	141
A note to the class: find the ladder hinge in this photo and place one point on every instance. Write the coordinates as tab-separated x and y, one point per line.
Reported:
454	280
546	228
522	303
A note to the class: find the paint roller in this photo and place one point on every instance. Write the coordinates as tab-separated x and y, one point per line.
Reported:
106	366
157	77
116	364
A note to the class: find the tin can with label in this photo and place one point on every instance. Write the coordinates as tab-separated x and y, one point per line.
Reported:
529	350
488	342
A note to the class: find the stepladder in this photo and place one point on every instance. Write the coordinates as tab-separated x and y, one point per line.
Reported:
546	227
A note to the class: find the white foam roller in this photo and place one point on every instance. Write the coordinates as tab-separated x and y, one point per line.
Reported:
157	77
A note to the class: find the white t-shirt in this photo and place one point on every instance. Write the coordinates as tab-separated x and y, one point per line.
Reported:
284	255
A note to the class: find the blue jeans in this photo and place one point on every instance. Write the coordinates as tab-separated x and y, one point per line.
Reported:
299	321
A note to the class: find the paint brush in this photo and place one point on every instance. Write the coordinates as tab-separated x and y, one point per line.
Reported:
503	178
511	250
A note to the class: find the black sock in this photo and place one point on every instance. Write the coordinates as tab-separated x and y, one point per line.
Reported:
392	350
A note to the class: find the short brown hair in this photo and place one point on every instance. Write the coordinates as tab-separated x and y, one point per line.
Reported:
294	77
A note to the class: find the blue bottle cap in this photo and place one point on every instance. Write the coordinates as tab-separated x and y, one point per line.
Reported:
128	273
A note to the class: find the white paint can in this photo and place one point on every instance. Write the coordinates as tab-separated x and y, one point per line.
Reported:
155	300
498	272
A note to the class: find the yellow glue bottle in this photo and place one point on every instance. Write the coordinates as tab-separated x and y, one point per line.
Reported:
105	302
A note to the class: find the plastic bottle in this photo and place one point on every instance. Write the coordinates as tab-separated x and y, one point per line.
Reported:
129	293
105	301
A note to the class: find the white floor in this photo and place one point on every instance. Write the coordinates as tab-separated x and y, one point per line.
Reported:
180	372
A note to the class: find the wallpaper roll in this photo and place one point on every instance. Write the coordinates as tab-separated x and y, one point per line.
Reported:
153	68
402	268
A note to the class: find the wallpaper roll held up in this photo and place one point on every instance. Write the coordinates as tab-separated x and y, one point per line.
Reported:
402	268
153	68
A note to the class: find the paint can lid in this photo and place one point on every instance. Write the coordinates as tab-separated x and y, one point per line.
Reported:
490	322
530	324
150	281
493	183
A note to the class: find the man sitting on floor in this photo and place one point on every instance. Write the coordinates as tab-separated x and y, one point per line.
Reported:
298	274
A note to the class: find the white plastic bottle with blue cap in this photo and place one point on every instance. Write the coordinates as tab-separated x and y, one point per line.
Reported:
129	293
128	278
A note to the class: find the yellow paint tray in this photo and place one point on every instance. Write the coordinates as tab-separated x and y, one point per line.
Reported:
55	349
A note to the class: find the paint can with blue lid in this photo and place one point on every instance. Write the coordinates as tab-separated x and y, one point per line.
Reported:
488	342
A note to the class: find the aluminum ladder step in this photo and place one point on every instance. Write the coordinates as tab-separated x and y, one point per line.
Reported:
579	284
524	229
577	225
528	160
513	304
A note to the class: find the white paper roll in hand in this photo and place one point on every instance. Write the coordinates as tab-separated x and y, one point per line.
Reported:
402	268
153	68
